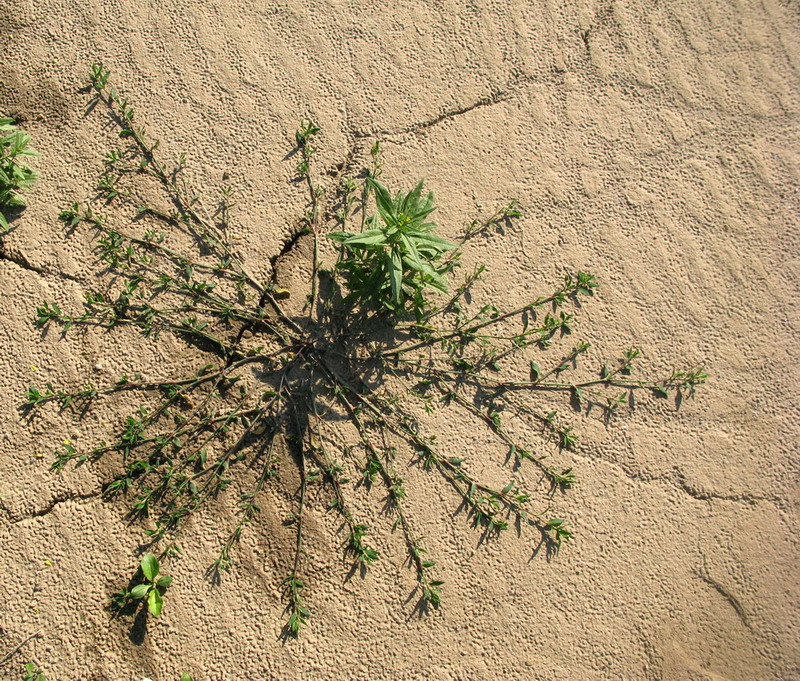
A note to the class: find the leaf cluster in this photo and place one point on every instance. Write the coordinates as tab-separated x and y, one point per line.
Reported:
15	175
391	264
150	590
32	673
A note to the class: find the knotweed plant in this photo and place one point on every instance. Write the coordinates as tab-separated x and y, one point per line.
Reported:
271	377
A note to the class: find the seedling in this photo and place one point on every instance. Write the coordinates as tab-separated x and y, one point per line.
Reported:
150	591
33	673
270	377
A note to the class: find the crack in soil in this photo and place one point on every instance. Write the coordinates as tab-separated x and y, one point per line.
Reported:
50	507
702	495
21	261
722	591
678	480
490	99
494	97
342	169
291	242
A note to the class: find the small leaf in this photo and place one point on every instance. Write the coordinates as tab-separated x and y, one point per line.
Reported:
150	566
383	199
294	623
155	603
396	276
536	372
163	581
140	591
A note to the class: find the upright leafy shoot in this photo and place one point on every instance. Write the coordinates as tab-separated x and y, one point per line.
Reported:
391	264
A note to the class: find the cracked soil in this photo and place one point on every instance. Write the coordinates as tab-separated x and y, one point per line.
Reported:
653	144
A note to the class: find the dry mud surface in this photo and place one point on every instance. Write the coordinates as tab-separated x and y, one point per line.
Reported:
654	144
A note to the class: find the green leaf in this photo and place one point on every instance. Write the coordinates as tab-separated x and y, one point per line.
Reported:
186	677
437	241
163	581
396	276
536	371
412	198
413	258
140	591
436	281
339	237
150	566
369	238
383	199
155	603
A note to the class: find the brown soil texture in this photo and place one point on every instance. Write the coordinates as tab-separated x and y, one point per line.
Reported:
654	144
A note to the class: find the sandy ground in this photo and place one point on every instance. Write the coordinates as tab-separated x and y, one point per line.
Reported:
653	144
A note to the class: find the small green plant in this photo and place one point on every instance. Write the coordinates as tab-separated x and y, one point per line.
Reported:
558	527
150	591
392	263
15	175
33	673
269	377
